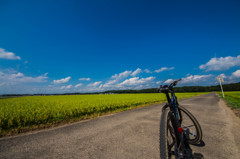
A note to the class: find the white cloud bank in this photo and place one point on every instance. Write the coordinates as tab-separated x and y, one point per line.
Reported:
191	79
94	84
11	78
18	77
195	78
169	81
159	82
236	74
84	79
136	81
221	63
121	75
164	69
136	72
147	71
122	81
8	55
78	85
66	87
64	80
233	78
116	78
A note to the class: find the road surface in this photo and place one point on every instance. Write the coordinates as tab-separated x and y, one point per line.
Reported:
130	134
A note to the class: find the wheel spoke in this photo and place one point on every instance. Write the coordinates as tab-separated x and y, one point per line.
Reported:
184	126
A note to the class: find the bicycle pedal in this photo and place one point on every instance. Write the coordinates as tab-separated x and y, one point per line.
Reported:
198	156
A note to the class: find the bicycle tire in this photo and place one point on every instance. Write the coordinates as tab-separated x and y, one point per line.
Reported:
166	132
185	123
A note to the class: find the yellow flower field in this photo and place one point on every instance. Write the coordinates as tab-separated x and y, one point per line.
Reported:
24	113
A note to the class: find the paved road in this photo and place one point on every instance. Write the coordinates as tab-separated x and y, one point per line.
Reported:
131	134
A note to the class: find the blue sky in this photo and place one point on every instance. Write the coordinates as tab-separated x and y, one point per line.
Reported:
87	46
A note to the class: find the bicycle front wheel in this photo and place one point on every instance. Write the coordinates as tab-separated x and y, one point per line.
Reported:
190	125
168	136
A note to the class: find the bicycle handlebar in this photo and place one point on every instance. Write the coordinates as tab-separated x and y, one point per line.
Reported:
174	83
167	88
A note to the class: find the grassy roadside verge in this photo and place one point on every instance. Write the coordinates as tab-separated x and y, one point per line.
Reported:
24	114
233	101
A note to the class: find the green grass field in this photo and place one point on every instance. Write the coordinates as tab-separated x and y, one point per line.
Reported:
26	113
232	99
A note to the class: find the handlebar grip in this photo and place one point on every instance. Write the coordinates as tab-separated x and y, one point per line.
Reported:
175	82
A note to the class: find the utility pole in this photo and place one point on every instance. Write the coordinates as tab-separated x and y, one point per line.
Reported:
220	80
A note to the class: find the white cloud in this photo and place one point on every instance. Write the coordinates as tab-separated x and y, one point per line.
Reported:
137	81
236	73
221	63
116	78
120	81
37	79
159	82
95	84
235	77
169	81
64	80
84	79
110	82
13	78
78	85
164	69
69	86
191	79
147	71
121	75
195	78
12	82
136	72
8	55
66	87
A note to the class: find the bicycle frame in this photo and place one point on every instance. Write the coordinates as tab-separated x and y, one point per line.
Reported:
173	104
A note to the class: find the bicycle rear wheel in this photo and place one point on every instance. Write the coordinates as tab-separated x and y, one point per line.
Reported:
190	125
168	137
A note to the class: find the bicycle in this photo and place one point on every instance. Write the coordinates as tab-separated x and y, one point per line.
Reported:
178	128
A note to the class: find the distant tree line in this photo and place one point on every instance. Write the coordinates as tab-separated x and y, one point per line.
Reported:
226	87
